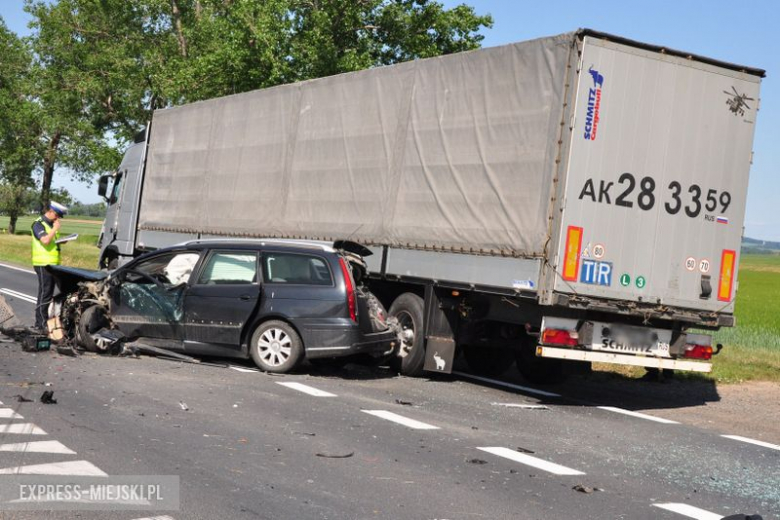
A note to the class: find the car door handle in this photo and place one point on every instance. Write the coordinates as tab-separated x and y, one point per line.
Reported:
245	297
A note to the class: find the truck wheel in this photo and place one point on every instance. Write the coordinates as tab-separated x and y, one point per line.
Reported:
92	319
488	361
542	371
276	347
408	309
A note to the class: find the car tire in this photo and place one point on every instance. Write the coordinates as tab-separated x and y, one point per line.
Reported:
486	361
92	319
408	309
542	371
276	347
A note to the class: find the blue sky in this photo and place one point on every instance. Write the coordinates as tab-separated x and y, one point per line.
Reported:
741	32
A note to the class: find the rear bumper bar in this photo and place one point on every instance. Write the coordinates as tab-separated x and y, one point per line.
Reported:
622	359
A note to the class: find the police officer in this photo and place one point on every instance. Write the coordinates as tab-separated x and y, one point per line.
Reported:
46	252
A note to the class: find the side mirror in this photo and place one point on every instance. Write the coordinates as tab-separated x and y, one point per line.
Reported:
103	186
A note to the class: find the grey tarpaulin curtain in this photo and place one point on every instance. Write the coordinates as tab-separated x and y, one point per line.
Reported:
450	153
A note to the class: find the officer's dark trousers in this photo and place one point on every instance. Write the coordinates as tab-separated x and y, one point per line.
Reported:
45	294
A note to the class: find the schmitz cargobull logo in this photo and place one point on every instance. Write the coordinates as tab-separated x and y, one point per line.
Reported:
594	105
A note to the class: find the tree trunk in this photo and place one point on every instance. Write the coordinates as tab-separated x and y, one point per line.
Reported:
12	218
179	31
48	167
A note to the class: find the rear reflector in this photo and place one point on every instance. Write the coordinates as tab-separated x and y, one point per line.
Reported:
568	338
698	351
571	256
726	284
350	289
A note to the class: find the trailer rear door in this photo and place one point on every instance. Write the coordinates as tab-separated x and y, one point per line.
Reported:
656	179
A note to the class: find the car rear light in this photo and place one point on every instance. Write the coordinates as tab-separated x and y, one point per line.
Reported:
568	338
350	289
698	351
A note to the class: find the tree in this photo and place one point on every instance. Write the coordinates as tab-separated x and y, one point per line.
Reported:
103	67
19	129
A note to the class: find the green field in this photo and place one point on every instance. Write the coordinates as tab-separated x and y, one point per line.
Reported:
82	252
752	348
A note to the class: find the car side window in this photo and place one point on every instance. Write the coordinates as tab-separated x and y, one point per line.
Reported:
169	269
292	268
230	268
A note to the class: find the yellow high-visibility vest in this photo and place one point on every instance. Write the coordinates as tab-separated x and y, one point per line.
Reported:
45	254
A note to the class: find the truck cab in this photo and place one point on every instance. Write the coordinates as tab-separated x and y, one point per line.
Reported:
121	191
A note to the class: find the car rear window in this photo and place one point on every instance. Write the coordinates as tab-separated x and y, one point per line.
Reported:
296	268
230	268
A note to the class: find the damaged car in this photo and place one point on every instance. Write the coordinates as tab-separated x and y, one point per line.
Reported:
274	301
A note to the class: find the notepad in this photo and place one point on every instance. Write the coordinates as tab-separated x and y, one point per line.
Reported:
68	238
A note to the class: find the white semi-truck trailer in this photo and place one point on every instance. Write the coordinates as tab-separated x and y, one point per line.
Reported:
573	198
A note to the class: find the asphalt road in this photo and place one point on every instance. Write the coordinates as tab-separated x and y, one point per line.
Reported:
368	443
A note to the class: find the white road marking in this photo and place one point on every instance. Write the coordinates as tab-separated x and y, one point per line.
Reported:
244	369
28	271
19	295
75	467
689	511
21	428
7	413
509	385
306	389
752	441
637	414
400	419
522	458
164	517
38	447
523	406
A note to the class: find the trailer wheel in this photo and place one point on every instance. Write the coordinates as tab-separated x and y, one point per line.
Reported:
542	371
487	361
92	319
408	309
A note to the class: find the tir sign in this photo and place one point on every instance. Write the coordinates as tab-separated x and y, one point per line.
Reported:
727	261
596	273
571	256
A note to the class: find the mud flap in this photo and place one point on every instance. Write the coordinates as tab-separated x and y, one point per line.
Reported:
440	325
439	355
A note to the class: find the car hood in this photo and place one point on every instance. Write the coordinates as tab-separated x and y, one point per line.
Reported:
68	278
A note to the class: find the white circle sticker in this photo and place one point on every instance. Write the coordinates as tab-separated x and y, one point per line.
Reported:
598	251
704	265
690	263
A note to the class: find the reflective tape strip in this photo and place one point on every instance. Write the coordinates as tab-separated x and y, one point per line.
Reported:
726	284
571	256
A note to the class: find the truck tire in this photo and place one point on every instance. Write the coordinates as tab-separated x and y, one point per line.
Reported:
486	361
92	319
276	347
542	371
408	309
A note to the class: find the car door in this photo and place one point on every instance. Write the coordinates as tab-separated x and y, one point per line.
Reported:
148	299
220	301
302	288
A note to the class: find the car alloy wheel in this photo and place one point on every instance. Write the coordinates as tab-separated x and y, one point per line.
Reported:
276	346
